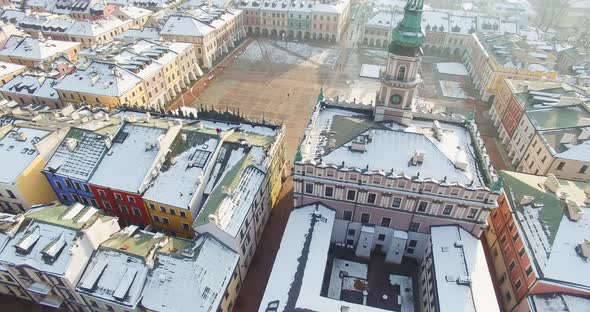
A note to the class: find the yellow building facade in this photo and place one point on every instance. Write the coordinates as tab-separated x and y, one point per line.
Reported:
174	221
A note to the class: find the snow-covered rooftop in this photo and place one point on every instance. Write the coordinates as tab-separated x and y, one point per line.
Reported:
37	49
234	194
557	303
177	25
95	28
184	170
17	151
298	271
129	154
118	270
189	276
145	33
78	154
453	263
446	147
9	68
32	85
550	236
45	242
101	79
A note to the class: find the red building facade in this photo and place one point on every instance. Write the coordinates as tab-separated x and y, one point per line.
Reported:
127	206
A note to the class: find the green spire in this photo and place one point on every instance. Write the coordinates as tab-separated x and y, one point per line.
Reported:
409	31
321	95
298	156
498	185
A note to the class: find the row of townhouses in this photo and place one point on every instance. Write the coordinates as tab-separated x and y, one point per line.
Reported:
76	258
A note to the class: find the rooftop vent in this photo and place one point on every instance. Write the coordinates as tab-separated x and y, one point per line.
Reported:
551	183
584	248
451	278
359	144
459	244
574	212
71	144
568	138
21	137
213	218
417	159
527	200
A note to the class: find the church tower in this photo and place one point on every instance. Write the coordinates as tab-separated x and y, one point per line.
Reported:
400	78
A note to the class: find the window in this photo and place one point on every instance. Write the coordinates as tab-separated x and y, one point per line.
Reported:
515	237
162	209
172	212
68	183
561	165
347	215
401	73
10	194
77	186
583	169
106	204
349	242
448	209
413	243
508	297
183	214
385	221
185	227
529	271
86	188
123	209
521	252
351	232
156	218
422	206
414	226
152	206
102	193
65	197
309	188
472	213
511	266
330	173
165	221
517	285
503	239
365	218
136	212
396	202
371	198
351	195
59	186
93	202
381	237
118	196
328	191
131	199
76	197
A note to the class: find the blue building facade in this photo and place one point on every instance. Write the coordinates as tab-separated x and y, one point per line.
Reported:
72	165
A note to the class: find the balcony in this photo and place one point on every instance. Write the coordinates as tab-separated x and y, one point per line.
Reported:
41	288
52	301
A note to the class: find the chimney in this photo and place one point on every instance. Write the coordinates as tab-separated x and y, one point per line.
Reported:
71	144
527	200
21	137
551	183
574	212
417	159
358	144
585	248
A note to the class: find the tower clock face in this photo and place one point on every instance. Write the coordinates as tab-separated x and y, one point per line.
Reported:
396	99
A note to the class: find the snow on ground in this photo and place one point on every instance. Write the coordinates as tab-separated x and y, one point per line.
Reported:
289	53
406	291
452	89
351	269
370	71
452	69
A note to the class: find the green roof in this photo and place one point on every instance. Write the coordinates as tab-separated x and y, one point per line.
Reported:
253	138
54	214
345	128
408	32
137	243
175	246
560	117
229	182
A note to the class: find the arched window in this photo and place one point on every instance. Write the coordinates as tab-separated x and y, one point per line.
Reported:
401	73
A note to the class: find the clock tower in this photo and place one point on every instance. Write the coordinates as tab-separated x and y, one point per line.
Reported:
399	80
